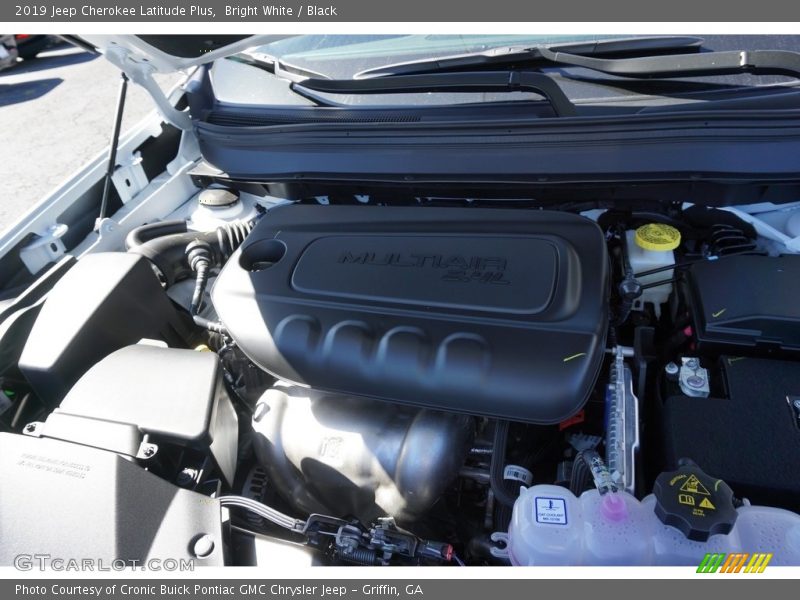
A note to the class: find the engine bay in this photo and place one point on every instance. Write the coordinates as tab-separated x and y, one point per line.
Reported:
428	308
368	383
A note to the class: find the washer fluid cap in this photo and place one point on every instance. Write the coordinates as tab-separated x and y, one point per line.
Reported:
218	197
658	237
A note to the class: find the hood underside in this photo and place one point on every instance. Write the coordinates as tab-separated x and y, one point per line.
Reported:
170	53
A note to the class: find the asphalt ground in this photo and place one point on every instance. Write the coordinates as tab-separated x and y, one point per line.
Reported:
57	112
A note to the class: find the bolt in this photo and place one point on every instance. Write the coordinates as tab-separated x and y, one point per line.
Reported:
30	427
186	476
148	451
203	546
692	363
695	381
671	368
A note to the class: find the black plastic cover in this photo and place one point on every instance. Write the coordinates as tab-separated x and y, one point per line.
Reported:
73	502
751	438
695	503
106	301
747	304
173	395
485	311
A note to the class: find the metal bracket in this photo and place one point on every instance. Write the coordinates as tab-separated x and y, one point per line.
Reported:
147	451
693	379
129	177
33	429
46	248
622	432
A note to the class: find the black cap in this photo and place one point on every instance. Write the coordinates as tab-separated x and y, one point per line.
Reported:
696	504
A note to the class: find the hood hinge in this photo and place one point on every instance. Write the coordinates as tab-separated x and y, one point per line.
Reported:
141	72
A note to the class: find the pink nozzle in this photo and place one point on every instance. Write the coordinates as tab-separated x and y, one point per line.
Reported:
613	507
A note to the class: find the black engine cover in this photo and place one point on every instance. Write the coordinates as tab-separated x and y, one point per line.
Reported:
486	311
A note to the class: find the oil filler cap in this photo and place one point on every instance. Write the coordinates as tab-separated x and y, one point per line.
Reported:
696	504
658	237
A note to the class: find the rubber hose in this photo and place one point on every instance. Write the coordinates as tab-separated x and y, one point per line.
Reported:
164	245
167	253
502	517
480	548
501	494
581	477
150	231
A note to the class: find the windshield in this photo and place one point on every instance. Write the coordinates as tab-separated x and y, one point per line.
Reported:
343	56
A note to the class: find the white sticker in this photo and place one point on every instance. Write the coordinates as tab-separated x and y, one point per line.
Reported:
517	473
551	510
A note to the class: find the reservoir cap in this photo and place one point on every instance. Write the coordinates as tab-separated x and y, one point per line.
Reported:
658	237
695	503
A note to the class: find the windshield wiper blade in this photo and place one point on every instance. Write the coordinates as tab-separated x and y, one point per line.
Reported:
482	81
497	58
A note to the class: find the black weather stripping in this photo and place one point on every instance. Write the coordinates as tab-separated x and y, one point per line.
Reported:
492	81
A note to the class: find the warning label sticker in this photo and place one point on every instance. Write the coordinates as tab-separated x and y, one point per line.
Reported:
706	503
694	486
551	510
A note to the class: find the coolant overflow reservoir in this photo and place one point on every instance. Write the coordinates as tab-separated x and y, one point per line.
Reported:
551	526
650	247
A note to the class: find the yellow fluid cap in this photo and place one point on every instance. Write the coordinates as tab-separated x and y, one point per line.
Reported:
658	237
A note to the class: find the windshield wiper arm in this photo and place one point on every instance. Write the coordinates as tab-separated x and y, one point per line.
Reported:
730	62
483	81
282	70
275	66
698	64
497	58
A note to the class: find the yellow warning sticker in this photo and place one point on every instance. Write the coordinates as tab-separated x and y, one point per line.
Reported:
706	503
694	486
676	479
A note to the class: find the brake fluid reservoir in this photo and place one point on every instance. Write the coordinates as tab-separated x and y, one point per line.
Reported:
650	247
